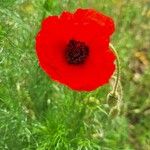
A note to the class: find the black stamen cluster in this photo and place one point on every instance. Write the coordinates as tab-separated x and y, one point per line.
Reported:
76	52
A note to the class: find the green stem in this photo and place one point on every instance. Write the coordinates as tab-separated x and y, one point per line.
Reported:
118	69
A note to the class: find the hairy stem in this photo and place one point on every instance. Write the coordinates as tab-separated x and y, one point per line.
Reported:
118	69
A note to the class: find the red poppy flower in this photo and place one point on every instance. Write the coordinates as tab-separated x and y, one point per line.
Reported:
73	49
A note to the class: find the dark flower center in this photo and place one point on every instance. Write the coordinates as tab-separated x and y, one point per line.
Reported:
76	52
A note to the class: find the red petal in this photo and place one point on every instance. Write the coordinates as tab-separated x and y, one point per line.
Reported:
104	22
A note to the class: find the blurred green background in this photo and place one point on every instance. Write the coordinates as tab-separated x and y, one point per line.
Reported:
39	114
